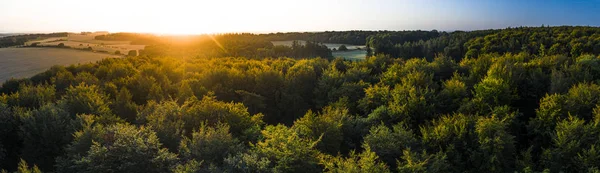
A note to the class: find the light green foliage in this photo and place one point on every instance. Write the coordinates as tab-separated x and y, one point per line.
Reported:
287	151
32	96
191	166
248	162
85	99
375	95
496	145
367	161
423	162
573	147
24	168
454	135
494	92
326	128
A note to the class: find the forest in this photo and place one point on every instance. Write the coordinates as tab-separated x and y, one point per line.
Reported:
512	100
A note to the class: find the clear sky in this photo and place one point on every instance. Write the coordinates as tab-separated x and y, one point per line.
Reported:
210	16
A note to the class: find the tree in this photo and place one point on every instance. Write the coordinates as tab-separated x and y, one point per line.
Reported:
210	145
367	161
10	140
423	162
118	147
494	91
32	96
132	53
24	168
85	99
123	107
287	151
390	143
343	48
45	133
326	128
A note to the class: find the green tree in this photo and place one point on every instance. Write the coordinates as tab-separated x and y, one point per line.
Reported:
423	162
120	148
210	145
287	151
367	161
85	99
390	143
123	106
326	128
45	133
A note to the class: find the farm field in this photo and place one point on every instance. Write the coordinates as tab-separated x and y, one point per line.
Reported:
26	62
84	41
352	54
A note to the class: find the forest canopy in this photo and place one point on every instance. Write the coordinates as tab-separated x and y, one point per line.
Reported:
483	101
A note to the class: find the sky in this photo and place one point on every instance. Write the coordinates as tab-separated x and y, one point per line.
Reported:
220	16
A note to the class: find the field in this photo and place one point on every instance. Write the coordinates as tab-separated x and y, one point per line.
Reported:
355	52
26	62
83	41
351	54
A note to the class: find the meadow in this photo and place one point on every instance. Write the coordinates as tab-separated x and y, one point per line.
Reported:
26	62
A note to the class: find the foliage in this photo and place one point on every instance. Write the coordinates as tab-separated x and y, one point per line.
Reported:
512	100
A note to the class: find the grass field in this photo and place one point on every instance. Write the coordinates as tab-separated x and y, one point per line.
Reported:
26	62
351	54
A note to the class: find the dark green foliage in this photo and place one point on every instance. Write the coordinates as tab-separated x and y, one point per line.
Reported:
119	148
123	107
423	162
211	145
45	133
10	140
388	143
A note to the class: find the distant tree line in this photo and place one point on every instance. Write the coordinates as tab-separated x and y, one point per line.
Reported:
563	40
19	40
232	45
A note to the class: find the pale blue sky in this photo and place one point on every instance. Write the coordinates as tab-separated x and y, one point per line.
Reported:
208	16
